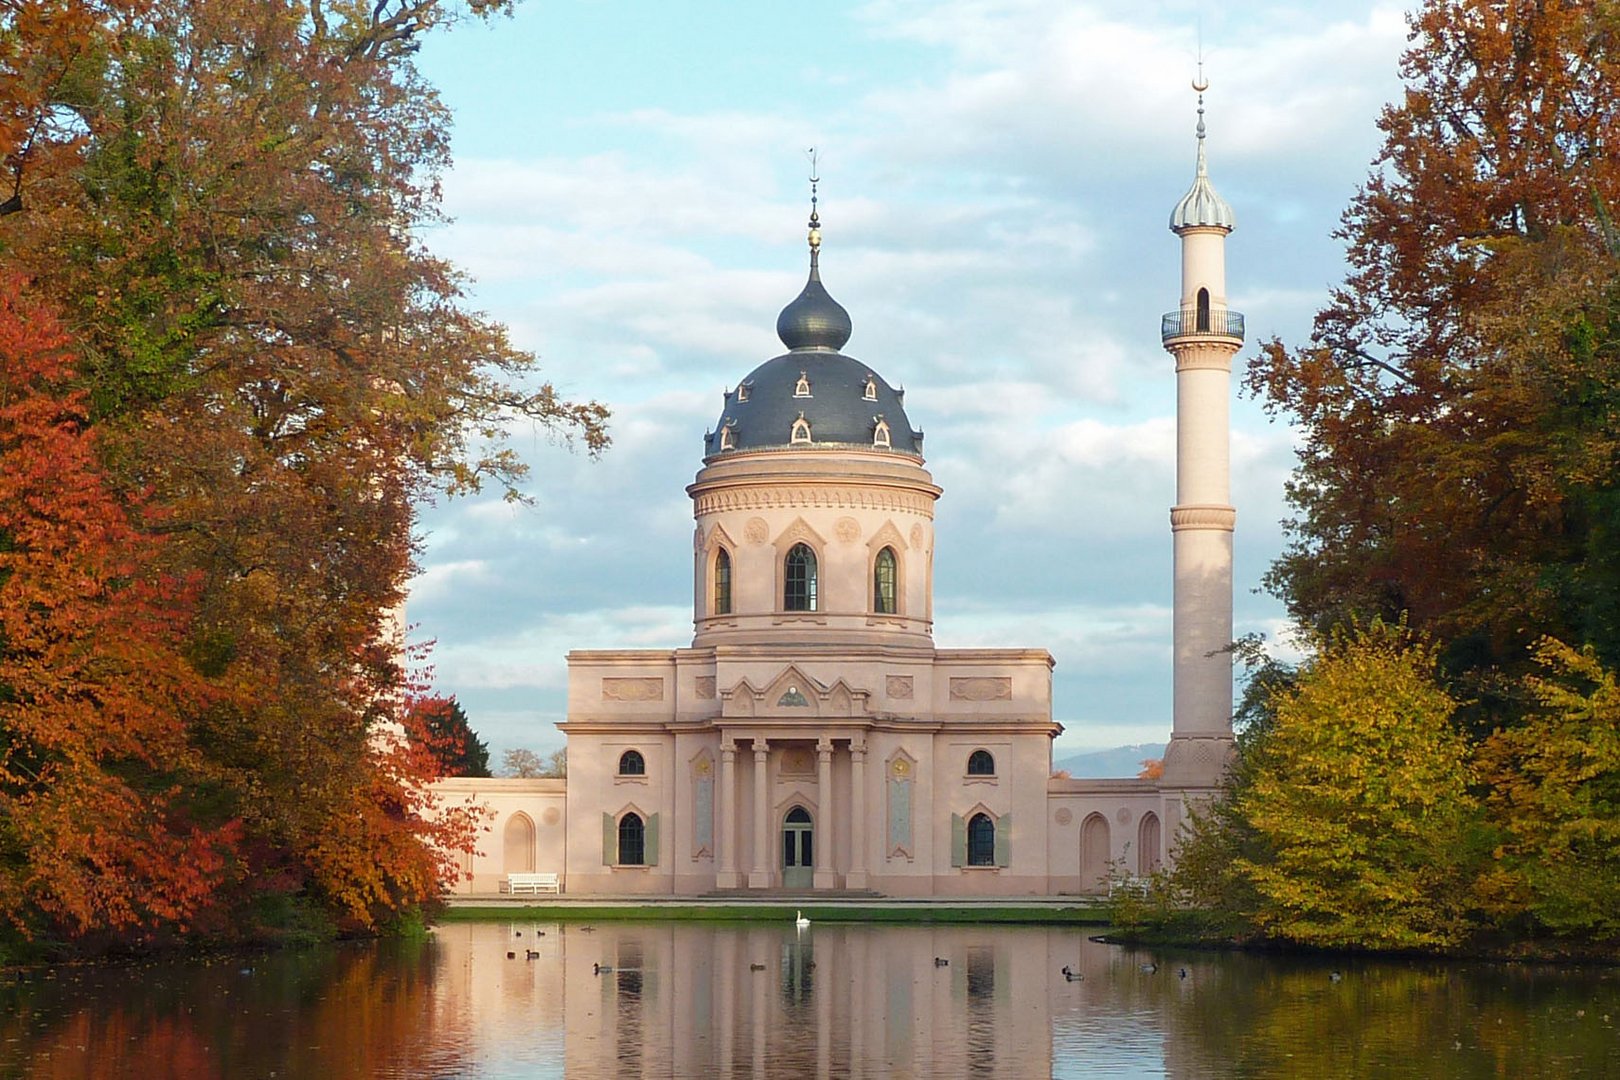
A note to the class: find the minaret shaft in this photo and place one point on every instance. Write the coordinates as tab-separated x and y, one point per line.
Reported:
1202	335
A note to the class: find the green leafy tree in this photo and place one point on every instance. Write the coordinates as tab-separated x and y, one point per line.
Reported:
1555	792
1349	821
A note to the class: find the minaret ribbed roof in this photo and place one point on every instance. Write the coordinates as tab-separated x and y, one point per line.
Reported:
1202	206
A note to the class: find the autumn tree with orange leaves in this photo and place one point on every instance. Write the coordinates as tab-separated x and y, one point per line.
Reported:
1459	402
221	199
97	770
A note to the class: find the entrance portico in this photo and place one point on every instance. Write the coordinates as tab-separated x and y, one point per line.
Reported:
780	825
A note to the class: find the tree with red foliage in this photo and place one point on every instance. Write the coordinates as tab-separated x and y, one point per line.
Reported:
96	828
224	199
443	729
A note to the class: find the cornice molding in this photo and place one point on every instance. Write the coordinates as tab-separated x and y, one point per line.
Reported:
814	496
1208	516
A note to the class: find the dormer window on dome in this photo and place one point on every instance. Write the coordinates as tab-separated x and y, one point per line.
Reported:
870	392
801	430
802	387
880	433
742	392
728	438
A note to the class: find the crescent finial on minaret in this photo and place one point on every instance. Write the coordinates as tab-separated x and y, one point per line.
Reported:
1201	206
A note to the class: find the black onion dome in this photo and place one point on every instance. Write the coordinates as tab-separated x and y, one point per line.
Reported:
814	320
847	401
814	396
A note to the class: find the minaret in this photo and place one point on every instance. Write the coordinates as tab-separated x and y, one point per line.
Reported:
1202	334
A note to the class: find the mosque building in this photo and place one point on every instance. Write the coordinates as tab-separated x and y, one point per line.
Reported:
812	737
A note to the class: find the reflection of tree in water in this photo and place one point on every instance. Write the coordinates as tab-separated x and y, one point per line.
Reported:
981	1011
289	1011
1267	1017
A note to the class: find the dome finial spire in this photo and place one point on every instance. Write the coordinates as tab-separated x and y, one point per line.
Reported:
814	320
815	215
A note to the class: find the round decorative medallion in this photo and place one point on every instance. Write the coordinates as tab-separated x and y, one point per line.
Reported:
1063	816
1124	816
917	536
848	530
901	767
756	531
551	815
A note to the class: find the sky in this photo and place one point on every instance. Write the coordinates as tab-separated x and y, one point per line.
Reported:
629	196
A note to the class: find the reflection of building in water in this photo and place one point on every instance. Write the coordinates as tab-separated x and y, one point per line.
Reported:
685	999
812	737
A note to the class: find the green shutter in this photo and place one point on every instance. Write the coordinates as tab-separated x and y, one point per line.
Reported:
958	841
1004	840
651	843
610	839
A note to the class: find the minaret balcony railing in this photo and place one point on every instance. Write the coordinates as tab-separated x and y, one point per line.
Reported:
1196	323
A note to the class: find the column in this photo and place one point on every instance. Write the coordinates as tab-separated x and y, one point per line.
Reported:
824	825
856	878
760	878
725	832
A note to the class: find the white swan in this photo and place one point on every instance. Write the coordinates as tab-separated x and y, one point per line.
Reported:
800	922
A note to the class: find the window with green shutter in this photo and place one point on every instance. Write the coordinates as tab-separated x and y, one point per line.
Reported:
650	841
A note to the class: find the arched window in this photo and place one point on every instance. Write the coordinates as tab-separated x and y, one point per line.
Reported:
728	440
799	579
632	840
801	430
870	393
802	387
880	434
742	391
885	577
980	763
1203	310
631	763
722	582
981	838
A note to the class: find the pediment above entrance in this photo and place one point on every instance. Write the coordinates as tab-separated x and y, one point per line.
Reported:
792	694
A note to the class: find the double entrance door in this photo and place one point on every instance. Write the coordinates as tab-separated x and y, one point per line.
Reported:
798	854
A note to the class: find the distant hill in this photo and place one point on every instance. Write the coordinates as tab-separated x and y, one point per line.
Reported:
1120	761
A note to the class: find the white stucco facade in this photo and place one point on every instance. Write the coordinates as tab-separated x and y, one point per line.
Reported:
811	737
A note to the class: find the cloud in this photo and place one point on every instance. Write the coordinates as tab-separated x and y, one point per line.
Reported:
996	181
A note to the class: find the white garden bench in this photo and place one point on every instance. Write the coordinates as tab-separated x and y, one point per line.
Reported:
1129	886
533	884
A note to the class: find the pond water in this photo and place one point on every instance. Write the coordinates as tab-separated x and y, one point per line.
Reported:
536	999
